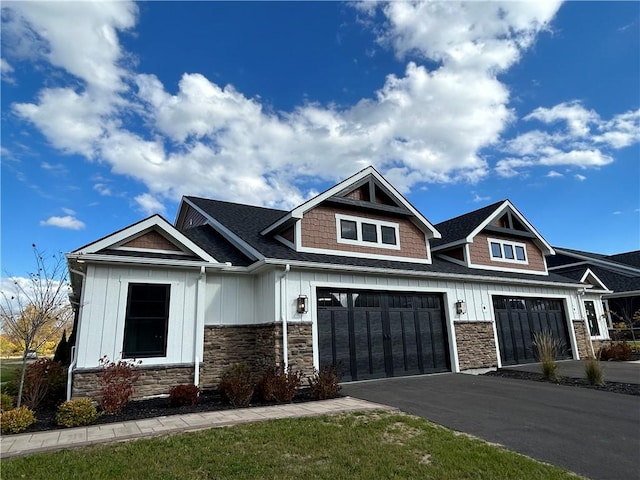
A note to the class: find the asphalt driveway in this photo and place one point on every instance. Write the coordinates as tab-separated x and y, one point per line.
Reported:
592	433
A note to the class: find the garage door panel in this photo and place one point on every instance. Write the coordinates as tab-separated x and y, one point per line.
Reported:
369	347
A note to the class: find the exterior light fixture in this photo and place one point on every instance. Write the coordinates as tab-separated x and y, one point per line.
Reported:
461	307
301	304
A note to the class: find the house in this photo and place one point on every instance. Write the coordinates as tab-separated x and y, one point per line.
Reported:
615	277
356	277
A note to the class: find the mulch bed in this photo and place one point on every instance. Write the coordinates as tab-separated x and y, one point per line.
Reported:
154	407
613	387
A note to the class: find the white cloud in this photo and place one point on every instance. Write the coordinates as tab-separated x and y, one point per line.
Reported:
68	221
68	211
149	204
212	140
617	212
6	71
577	118
478	198
580	138
579	177
554	174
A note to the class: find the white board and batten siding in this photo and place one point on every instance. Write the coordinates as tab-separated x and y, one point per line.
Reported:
103	310
240	299
477	297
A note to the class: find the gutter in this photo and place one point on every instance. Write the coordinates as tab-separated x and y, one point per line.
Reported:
283	317
415	273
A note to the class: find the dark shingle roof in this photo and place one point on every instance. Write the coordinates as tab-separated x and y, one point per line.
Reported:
248	221
627	258
216	245
460	227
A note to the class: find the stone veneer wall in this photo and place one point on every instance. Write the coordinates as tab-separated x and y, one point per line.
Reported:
154	380
257	345
582	339
476	345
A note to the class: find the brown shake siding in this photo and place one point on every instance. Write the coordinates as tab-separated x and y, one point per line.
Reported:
288	234
192	219
319	231
481	255
151	240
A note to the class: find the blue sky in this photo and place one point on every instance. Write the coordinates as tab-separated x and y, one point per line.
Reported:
113	111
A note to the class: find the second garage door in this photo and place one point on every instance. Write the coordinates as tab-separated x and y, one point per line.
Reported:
518	319
381	334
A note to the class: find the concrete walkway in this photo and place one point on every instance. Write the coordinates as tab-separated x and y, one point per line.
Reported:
27	443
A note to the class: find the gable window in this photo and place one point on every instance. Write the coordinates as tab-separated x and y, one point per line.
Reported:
367	232
348	230
507	251
146	321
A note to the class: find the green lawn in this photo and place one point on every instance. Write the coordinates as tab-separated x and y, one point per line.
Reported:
8	368
356	446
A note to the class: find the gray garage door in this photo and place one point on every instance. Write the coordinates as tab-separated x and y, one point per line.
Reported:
381	334
517	319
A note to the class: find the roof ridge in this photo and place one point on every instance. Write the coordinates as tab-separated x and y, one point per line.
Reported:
194	197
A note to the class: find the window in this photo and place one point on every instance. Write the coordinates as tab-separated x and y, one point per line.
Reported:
146	321
370	233
506	251
592	318
367	232
388	235
348	230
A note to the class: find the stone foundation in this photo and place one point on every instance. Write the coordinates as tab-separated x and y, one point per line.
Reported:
582	339
476	345
154	380
257	345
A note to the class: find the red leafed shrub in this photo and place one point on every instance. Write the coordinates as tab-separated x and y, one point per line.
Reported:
278	385
182	395
44	383
237	384
325	383
116	383
618	351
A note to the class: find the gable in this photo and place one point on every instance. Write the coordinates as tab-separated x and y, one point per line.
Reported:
366	190
152	237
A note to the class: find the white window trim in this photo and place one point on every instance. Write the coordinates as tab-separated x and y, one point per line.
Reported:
502	243
361	243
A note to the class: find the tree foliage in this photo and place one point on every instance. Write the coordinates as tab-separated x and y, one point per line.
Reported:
35	310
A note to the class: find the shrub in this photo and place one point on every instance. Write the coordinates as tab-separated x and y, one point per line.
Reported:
17	420
116	383
76	413
44	383
278	385
237	384
325	383
547	347
6	402
593	371
181	395
618	351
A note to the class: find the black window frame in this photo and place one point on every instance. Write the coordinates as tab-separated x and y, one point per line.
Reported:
386	228
367	230
137	318
343	223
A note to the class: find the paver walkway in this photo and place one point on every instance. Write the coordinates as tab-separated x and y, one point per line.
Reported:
22	444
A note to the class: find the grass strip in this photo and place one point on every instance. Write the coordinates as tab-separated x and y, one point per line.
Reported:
354	446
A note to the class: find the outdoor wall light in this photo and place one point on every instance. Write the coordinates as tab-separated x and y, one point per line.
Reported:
302	304
461	307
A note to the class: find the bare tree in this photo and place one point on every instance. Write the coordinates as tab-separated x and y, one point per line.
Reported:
37	307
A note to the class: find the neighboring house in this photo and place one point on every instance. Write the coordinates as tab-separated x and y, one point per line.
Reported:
355	277
615	277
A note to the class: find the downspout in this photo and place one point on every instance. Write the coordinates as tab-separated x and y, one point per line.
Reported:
199	327
283	317
72	365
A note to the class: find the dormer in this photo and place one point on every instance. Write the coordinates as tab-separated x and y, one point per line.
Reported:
496	237
363	216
